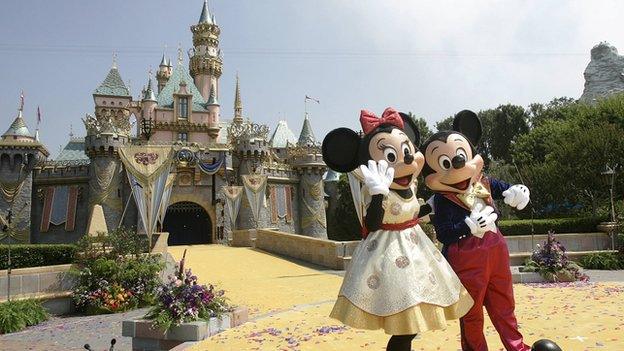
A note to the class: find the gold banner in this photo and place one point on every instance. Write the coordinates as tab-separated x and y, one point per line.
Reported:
146	162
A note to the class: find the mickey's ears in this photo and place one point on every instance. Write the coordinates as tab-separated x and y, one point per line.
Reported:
468	123
340	150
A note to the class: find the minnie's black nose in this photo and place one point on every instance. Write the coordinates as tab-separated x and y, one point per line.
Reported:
409	158
458	161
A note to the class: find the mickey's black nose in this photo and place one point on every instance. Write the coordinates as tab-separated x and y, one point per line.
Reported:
409	158
458	162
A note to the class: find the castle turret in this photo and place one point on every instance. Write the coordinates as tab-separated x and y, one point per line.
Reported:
206	64
212	105
108	130
164	72
148	102
307	160
238	103
20	152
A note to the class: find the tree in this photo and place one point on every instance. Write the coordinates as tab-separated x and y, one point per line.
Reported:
423	127
445	124
344	225
506	124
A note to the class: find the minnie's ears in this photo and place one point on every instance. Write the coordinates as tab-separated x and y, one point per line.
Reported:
340	150
411	129
467	123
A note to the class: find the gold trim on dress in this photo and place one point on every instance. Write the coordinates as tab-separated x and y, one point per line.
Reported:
416	319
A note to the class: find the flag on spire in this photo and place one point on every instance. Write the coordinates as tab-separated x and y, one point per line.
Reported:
313	99
38	116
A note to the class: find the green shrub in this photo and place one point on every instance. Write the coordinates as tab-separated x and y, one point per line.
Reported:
119	242
113	274
17	315
603	261
35	255
542	226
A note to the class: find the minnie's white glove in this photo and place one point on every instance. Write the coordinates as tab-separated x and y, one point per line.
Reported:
377	177
481	220
517	196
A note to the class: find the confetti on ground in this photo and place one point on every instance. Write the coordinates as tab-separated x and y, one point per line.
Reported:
290	305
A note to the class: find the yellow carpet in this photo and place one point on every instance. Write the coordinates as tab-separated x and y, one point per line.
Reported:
290	304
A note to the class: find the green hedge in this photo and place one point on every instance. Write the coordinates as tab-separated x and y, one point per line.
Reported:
542	226
35	255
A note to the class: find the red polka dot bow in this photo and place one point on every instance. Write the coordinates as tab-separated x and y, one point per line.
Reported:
370	121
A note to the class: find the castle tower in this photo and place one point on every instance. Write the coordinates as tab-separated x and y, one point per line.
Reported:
164	72
307	160
20	152
205	57
148	102
212	105
238	103
106	132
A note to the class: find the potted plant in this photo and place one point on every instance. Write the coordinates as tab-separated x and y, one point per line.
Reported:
552	263
184	310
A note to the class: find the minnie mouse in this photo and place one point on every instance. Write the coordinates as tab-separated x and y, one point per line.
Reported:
465	222
398	280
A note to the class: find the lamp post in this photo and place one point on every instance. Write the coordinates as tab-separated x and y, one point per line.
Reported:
609	176
5	228
147	126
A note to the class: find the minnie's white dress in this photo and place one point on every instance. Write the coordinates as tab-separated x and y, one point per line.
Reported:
398	280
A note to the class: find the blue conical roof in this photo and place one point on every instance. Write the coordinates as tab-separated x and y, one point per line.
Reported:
205	14
112	85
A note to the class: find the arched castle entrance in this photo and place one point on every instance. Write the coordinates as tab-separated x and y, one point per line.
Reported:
187	223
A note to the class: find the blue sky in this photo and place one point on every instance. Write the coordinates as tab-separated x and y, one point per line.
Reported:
432	58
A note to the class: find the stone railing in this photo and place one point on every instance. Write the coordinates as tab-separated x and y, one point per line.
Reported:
51	283
327	253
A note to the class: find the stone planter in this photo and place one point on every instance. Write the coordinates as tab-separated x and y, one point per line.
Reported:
145	337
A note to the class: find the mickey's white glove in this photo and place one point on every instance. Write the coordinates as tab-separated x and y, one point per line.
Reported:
377	177
481	220
517	196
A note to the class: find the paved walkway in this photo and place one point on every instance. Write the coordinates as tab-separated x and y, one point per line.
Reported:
71	333
289	302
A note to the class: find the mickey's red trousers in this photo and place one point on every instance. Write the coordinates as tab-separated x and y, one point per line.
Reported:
482	265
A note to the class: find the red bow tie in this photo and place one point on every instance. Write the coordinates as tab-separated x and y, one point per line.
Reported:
370	121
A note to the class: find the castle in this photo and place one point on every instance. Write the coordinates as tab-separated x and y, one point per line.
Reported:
53	201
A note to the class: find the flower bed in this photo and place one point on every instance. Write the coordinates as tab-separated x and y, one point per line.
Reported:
114	275
184	310
552	263
182	299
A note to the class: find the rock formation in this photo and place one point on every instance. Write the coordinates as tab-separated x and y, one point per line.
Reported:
604	74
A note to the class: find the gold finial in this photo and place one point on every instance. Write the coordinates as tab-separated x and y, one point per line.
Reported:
180	57
21	105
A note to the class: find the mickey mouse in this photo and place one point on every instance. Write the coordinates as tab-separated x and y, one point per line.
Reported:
398	281
465	222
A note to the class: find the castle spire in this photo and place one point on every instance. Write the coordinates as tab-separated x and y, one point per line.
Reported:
149	95
306	137
238	103
18	129
205	16
212	99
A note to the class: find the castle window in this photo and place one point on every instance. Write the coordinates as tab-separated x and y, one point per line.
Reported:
183	136
183	107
